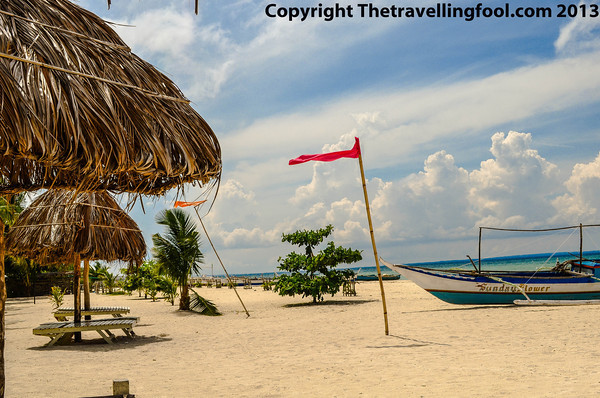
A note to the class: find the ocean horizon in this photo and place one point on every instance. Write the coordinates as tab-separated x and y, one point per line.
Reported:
524	262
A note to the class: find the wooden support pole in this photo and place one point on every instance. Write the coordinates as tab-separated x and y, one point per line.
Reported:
86	287
76	293
219	258
2	308
364	184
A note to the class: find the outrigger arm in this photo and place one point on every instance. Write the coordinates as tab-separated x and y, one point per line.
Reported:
495	278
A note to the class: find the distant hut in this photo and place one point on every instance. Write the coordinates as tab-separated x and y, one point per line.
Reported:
80	111
60	226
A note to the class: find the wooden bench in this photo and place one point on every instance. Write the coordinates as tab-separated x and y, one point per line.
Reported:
62	313
64	330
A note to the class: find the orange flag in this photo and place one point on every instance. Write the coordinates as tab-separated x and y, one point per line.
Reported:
186	204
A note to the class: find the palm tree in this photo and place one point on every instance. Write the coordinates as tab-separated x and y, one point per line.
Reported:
110	280
178	252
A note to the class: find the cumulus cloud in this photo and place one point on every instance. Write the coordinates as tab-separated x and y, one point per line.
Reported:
514	188
580	203
431	203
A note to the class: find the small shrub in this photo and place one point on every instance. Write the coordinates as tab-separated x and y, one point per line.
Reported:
57	296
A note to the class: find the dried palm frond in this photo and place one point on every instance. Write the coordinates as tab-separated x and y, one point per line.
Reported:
60	223
79	110
202	306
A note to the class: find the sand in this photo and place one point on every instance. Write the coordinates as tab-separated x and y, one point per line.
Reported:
336	349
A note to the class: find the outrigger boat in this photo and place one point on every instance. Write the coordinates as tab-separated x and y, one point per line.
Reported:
567	283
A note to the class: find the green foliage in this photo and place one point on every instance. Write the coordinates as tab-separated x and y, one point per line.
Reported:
202	306
151	288
168	286
137	280
313	274
177	253
56	296
10	210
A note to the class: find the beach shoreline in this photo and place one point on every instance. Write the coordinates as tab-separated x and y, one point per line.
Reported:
289	348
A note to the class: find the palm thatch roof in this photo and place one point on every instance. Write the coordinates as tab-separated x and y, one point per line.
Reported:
79	110
60	223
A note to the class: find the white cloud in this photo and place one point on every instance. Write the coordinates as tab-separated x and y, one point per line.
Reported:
429	204
579	34
405	121
515	186
444	201
580	203
160	31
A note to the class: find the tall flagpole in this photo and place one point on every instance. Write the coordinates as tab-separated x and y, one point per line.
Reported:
364	184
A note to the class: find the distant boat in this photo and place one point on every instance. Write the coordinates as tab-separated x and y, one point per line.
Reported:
569	281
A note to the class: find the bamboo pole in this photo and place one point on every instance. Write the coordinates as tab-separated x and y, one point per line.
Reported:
219	258
364	185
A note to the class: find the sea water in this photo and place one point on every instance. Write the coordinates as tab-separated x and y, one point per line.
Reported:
527	262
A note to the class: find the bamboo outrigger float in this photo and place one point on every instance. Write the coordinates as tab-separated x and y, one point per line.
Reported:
570	282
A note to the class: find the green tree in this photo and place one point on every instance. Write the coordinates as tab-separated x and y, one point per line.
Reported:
135	280
313	274
178	252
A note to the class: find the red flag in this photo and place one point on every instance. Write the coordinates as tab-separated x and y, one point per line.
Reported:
331	156
186	204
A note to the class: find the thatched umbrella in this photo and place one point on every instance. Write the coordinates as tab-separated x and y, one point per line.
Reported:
80	111
60	223
62	226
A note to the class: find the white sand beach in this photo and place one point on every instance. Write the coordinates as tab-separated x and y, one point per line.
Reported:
336	349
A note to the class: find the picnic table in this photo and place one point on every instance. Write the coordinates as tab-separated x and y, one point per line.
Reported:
62	313
58	331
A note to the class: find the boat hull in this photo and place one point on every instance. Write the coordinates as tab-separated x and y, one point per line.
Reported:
500	287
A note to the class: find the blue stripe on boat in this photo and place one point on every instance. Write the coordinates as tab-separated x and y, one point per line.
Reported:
507	298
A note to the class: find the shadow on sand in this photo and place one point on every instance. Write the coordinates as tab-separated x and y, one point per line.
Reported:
94	344
327	303
408	342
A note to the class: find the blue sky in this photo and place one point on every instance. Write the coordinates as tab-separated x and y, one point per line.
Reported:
490	122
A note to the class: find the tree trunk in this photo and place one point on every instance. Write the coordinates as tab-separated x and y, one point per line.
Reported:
184	303
2	312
